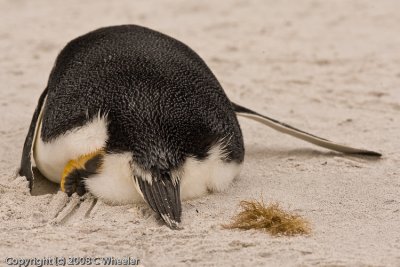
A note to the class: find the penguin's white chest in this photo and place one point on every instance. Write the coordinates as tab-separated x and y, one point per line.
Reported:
51	157
115	182
212	174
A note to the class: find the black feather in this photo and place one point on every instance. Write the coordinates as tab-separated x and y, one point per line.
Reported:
26	163
163	196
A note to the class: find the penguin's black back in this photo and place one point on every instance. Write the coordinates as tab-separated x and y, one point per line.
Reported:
161	101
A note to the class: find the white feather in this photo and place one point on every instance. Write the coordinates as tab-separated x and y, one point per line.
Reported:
115	181
51	157
211	174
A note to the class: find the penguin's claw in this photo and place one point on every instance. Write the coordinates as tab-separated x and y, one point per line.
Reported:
74	182
77	170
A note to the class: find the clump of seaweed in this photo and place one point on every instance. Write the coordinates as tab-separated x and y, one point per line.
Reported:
271	219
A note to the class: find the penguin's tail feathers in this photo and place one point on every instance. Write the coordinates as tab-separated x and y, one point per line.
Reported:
161	190
290	130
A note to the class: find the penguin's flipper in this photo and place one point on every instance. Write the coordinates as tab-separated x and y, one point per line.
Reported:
27	152
287	129
77	170
163	196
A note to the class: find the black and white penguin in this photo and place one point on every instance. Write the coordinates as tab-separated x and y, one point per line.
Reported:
130	114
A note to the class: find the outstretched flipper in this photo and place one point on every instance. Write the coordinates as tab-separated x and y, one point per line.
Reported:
287	129
162	193
27	152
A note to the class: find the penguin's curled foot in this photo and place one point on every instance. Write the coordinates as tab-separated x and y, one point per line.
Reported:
77	170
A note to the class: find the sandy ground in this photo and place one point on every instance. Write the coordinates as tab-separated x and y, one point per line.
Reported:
329	67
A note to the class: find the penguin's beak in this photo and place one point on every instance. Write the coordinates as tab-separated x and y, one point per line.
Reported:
162	193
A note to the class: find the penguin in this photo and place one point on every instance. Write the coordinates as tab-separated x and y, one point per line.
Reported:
130	115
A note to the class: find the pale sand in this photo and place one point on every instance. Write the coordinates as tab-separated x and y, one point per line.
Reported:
328	67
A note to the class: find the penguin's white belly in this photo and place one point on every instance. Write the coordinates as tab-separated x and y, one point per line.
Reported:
115	183
51	157
211	174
